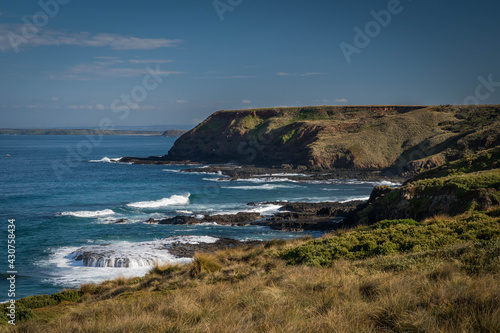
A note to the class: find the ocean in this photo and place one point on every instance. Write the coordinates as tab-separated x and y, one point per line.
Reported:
65	195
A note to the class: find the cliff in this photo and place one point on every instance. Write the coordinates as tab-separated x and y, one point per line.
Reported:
399	138
465	185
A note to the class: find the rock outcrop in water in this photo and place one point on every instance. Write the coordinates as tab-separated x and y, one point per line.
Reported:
241	218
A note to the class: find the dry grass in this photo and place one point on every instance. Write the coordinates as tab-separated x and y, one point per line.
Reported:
350	296
249	289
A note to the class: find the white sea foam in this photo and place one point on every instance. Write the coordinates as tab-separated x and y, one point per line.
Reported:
266	180
388	183
207	223
170	201
216	179
352	182
107	160
181	211
267	209
261	187
88	213
283	174
64	270
355	198
218	173
227	209
332	199
133	255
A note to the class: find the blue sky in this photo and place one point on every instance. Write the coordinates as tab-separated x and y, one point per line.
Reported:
82	57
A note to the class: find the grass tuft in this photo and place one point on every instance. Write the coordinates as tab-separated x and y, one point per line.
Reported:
203	263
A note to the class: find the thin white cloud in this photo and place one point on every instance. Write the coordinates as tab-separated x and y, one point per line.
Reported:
226	77
215	72
107	58
48	37
80	107
246	101
300	74
150	61
34	106
342	100
181	101
238	77
104	69
133	106
312	73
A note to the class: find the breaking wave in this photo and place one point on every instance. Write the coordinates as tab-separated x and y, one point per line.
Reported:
170	201
88	213
135	255
107	160
261	187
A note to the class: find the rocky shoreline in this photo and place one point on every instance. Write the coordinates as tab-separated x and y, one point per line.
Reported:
183	250
293	216
296	216
293	172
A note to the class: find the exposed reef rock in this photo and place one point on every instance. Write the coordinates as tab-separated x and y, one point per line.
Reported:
241	218
296	216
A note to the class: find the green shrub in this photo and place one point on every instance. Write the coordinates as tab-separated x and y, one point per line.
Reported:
38	301
23	314
70	295
393	236
387	223
392	196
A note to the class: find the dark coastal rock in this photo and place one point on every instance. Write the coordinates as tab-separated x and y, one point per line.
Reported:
307	216
153	160
300	225
188	250
294	216
242	218
299	173
322	208
180	219
121	221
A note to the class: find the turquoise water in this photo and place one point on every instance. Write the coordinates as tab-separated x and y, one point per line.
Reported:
63	200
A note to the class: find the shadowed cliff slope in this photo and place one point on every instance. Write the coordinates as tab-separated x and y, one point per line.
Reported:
400	138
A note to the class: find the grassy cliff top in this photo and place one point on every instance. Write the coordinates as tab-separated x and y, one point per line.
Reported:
357	137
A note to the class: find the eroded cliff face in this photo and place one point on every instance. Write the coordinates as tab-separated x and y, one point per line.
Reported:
401	138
